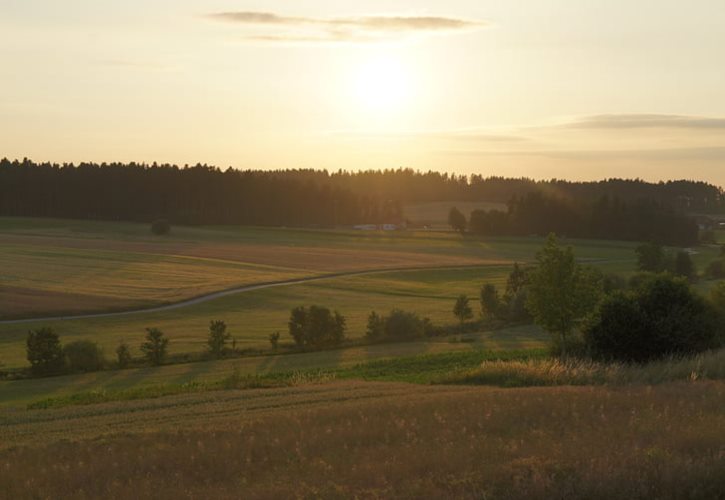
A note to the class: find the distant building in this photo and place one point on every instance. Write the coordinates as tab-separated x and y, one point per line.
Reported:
378	227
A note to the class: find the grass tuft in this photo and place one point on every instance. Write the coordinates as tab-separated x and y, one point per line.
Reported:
552	372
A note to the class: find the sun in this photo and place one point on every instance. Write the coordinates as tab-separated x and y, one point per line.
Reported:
382	84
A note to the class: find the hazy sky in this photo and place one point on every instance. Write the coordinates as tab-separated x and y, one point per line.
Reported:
541	88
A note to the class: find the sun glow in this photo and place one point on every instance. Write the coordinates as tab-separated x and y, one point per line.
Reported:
382	84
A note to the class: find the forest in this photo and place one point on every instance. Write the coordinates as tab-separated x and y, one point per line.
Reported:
202	194
605	218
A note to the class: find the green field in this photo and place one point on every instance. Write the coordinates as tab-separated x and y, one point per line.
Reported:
60	266
20	392
194	255
339	422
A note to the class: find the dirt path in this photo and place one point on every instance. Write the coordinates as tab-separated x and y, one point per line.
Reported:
233	291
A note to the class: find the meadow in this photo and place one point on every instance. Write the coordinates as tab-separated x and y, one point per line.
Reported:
220	257
427	418
377	440
473	346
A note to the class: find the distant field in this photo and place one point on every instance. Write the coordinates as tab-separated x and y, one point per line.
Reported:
252	316
435	214
18	393
376	440
60	266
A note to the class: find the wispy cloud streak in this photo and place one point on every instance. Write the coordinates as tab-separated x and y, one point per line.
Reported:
631	121
363	28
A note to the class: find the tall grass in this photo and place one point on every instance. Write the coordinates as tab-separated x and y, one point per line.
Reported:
420	369
638	442
551	372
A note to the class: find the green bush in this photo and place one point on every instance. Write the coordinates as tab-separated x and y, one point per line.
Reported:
663	317
462	309
316	326
716	269
83	356
684	266
652	257
403	325
274	340
44	352
123	355
398	325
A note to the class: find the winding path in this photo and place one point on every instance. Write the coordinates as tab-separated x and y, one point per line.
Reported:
233	291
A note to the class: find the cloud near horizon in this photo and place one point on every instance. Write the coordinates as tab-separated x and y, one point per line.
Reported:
653	120
364	28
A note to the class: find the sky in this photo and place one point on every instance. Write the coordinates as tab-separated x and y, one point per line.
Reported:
566	89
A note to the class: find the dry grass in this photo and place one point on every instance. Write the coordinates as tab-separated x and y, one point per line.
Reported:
550	372
343	441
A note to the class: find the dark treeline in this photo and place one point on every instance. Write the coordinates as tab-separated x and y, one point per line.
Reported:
207	195
605	218
410	186
190	195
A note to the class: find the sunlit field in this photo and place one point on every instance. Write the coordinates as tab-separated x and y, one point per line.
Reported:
59	266
377	440
222	257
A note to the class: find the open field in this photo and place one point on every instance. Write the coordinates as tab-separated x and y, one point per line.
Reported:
54	266
21	392
377	440
119	262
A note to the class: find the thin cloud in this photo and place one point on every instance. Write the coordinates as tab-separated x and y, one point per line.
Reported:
364	28
127	63
632	121
713	153
463	135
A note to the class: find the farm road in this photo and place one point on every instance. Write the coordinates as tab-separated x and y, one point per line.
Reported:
236	290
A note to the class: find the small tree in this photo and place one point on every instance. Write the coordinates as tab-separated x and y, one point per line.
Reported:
376	327
561	292
515	295
490	302
516	280
123	355
457	220
274	340
44	352
218	337
316	326
155	347
651	257
462	309
83	356
684	266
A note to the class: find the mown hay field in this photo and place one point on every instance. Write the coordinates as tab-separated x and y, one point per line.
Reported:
377	440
